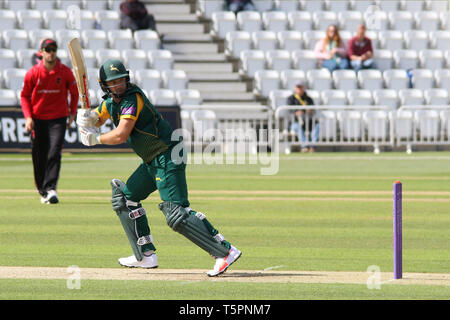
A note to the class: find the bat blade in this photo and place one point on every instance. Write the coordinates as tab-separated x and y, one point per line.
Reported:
79	68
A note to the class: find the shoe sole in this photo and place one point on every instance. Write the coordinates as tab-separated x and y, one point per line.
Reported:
52	200
124	265
223	271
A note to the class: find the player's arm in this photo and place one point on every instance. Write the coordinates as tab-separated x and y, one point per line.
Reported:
120	134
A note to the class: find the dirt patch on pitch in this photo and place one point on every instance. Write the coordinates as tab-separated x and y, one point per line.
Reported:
197	275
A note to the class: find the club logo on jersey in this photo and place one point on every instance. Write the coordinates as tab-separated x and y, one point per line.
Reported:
113	68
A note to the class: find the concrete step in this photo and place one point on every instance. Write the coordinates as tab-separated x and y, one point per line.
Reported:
187	37
228	87
225	97
175	18
168	8
191	47
200	57
204	67
212	77
180	28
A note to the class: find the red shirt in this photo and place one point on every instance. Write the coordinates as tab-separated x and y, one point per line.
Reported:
355	48
44	94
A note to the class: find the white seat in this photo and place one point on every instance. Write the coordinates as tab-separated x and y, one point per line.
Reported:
416	39
251	61
163	97
447	58
15	5
437	5
263	5
146	40
249	21
92	74
278	60
29	19
275	20
7	59
333	97
15	39
442	78
223	22
86	20
148	79
436	97
373	36
440	40
312	5
427	20
266	81
388	5
349	20
63	56
350	124
359	97
383	59
42	5
90	59
300	20
311	37
370	79
445	118
135	59
204	122
37	35
188	97
422	78
54	19
304	60
396	79
7	20
24	57
93	98
94	39
428	124
406	59
337	5
236	42
345	79
265	40
319	79
409	97
386	97
97	5
108	19
104	54
278	98
412	5
377	124
287	5
205	8
186	125
360	5
431	59
445	20
376	20
120	39
290	40
13	78
160	59
174	79
64	4
8	98
391	39
403	124
322	19
65	35
290	78
401	20
327	125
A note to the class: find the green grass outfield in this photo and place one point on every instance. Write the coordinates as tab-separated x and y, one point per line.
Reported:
320	212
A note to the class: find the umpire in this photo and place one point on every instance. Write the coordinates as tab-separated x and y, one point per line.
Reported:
48	113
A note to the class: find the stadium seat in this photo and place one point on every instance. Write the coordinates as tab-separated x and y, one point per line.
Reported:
360	5
205	8
63	36
396	79
223	22
440	39
87	19
97	5
427	20
146	40
174	79
300	20
7	59
249	21
8	98
29	19
263	5
37	35
386	97
445	20
337	5
359	97
388	5
345	80
383	59
422	78
406	59
447	58
391	39
412	5
108	19
236	42
64	4
63	55
278	60
304	60
312	5
266	81
290	40
350	124
265	40
445	118
135	59
42	5
290	78
436	97
163	97
376	20
431	59
104	54
333	97
278	98
89	58
437	5
409	97
94	39
322	19
287	5
373	36
327	126
188	97
311	37
54	19
204	122
370	79
160	59
349	20
428	124
23	58
319	79
251	61
403	124
442	78
377	124
15	5
92	74
7	20
186	125
120	39
275	20
15	39
401	20
416	40
148	79
13	78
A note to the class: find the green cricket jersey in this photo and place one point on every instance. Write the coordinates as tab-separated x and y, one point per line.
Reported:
151	134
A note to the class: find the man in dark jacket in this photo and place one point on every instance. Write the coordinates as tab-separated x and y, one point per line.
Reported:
305	124
240	5
134	16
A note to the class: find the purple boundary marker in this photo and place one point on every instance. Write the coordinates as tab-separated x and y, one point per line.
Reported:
397	230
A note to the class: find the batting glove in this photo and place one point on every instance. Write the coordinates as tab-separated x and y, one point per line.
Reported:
86	118
89	136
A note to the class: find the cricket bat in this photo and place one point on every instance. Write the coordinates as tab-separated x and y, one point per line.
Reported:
79	67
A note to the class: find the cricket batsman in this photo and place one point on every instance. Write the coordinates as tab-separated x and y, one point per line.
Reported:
139	124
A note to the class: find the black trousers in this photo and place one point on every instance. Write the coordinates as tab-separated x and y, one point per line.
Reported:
46	147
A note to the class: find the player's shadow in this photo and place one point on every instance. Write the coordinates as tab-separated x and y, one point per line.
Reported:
266	274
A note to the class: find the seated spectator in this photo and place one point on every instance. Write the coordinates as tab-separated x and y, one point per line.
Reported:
134	16
360	50
331	50
305	124
240	5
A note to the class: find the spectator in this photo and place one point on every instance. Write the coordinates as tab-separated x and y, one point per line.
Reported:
360	50
305	124
134	16
240	5
331	50
46	111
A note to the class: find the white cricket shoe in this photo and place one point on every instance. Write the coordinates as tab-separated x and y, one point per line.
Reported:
147	262
51	198
222	264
